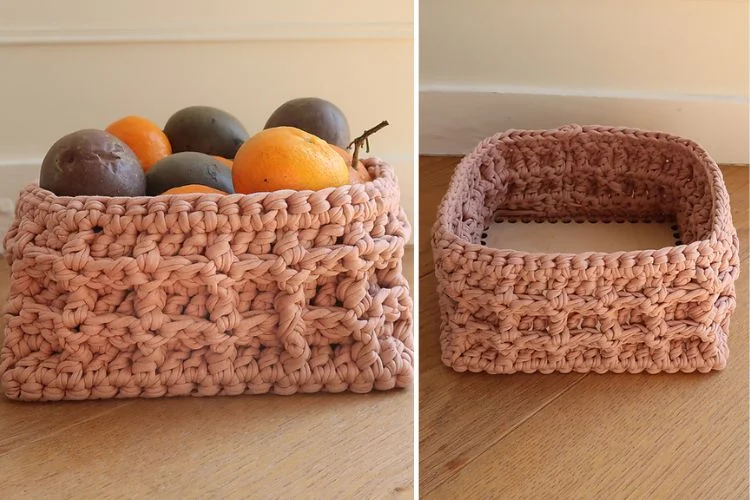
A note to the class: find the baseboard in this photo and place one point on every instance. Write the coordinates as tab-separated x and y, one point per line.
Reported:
268	31
14	175
453	119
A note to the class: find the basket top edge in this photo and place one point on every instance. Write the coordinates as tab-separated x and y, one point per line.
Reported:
510	137
574	129
720	211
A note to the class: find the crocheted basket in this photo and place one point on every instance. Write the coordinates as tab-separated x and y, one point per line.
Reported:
204	294
665	309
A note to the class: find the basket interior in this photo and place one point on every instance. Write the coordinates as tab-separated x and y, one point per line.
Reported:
609	179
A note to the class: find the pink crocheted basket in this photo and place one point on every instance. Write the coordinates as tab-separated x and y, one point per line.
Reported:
204	294
666	309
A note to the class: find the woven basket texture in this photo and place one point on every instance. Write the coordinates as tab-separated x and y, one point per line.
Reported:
204	294
656	310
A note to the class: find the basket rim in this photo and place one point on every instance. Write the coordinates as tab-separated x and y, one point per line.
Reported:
364	202
721	223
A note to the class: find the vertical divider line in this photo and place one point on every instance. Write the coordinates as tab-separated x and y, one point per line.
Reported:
415	211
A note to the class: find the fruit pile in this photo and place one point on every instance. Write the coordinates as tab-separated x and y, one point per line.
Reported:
201	149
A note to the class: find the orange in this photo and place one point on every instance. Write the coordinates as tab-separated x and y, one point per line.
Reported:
287	158
223	160
145	138
193	188
358	175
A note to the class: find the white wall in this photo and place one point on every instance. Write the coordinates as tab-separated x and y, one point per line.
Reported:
675	65
76	64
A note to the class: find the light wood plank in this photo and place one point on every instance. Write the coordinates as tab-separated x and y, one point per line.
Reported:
434	175
464	415
602	436
461	416
346	446
302	446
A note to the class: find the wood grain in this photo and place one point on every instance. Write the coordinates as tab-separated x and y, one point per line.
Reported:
302	446
580	436
434	176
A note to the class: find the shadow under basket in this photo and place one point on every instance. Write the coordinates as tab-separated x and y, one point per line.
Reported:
205	294
654	310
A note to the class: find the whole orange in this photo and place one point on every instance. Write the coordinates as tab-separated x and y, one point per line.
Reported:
287	158
358	175
225	161
145	138
193	188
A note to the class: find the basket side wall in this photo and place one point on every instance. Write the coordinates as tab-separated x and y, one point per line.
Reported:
203	297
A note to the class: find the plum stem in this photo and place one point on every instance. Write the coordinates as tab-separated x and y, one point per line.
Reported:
364	139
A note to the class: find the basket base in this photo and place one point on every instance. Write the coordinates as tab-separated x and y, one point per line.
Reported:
34	392
695	356
579	235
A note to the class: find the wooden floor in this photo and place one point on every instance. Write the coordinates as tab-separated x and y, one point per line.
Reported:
580	436
303	446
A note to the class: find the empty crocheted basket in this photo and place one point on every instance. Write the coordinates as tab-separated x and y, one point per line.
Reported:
203	294
664	309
